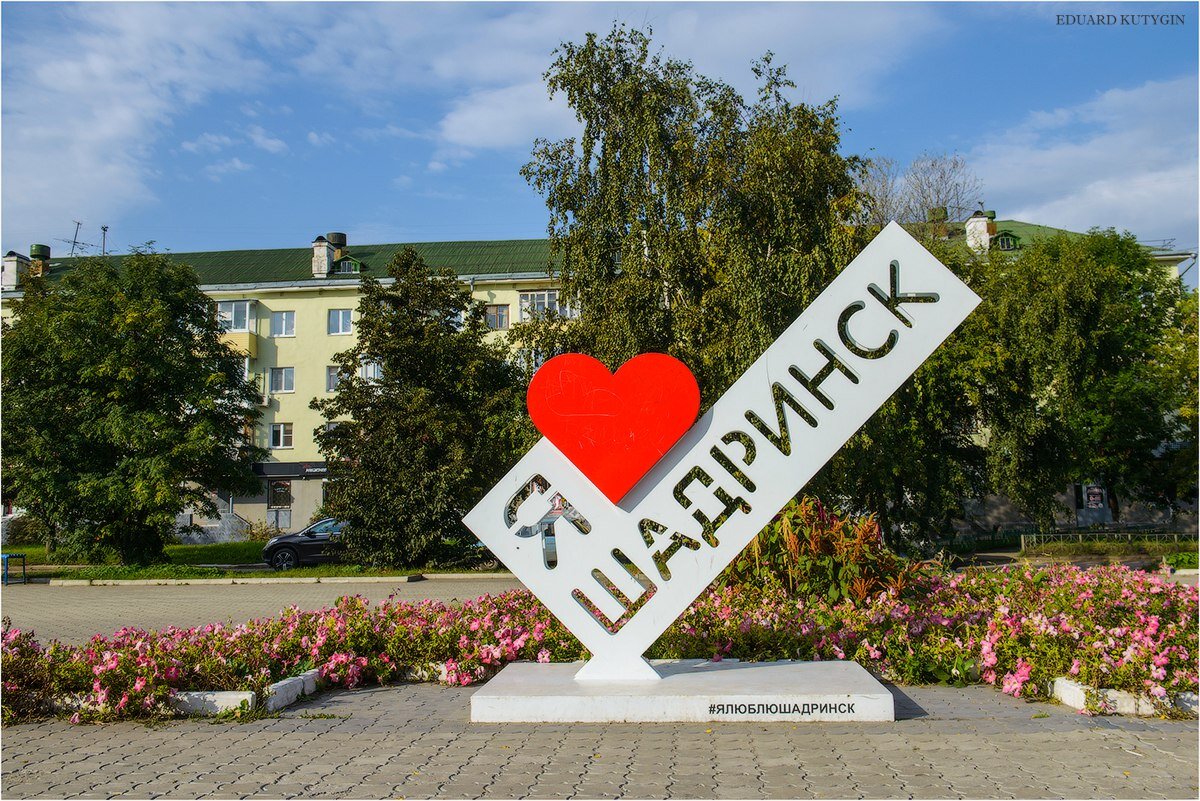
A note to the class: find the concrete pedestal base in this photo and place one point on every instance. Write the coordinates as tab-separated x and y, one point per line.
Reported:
690	690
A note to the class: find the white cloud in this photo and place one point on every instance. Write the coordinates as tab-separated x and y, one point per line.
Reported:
207	143
506	118
222	168
90	89
389	131
492	65
402	182
1126	159
264	141
318	139
87	95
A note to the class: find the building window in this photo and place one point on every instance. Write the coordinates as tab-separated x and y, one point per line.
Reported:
333	377
1006	242
543	301
339	321
497	317
234	315
371	371
279	518
346	266
281	435
283	324
283	379
279	495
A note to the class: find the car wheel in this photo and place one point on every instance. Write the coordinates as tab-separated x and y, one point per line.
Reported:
285	559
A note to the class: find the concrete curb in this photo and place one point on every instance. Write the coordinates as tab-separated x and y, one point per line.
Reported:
211	702
280	580
1073	694
287	692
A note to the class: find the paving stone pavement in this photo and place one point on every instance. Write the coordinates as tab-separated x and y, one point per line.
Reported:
74	614
415	741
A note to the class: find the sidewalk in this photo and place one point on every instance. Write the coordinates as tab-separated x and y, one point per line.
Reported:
414	741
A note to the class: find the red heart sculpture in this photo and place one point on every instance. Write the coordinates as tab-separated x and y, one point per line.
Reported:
614	426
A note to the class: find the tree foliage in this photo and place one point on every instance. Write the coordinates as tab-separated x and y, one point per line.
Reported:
686	219
121	406
1085	370
411	450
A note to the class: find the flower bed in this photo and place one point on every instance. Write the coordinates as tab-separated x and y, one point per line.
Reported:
1016	629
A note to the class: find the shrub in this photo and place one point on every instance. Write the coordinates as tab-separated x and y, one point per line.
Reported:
25	530
261	531
1188	560
817	553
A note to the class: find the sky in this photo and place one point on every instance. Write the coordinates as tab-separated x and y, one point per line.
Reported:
218	126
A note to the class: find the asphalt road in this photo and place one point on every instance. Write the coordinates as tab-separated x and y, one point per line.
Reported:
74	614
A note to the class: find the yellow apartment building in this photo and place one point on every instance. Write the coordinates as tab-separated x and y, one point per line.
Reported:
290	310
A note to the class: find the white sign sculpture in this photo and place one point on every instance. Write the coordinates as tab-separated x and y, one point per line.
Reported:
618	574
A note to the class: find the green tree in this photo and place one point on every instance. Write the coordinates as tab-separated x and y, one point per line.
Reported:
686	219
121	406
428	415
916	459
1081	369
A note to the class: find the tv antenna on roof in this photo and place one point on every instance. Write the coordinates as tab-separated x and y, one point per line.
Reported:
104	240
74	240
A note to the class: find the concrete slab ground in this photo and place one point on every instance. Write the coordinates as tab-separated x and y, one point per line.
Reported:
415	741
74	614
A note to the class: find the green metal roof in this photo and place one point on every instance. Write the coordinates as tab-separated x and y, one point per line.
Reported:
1029	232
494	259
291	265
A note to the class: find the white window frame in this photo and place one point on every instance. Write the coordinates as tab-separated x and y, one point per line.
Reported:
287	380
343	315
333	377
487	313
227	311
345	266
287	323
282	433
527	301
371	370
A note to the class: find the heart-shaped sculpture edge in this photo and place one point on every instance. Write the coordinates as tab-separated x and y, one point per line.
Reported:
615	477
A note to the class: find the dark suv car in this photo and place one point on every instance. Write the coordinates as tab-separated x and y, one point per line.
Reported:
307	546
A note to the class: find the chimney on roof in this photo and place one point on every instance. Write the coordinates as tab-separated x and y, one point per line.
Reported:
979	231
322	260
338	240
39	260
16	267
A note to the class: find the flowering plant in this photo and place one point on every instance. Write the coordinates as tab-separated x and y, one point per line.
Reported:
1016	629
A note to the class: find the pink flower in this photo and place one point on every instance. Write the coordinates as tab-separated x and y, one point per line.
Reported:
543	656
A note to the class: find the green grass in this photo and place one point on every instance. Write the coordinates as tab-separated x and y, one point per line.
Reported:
220	553
119	572
185	560
1151	548
34	554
